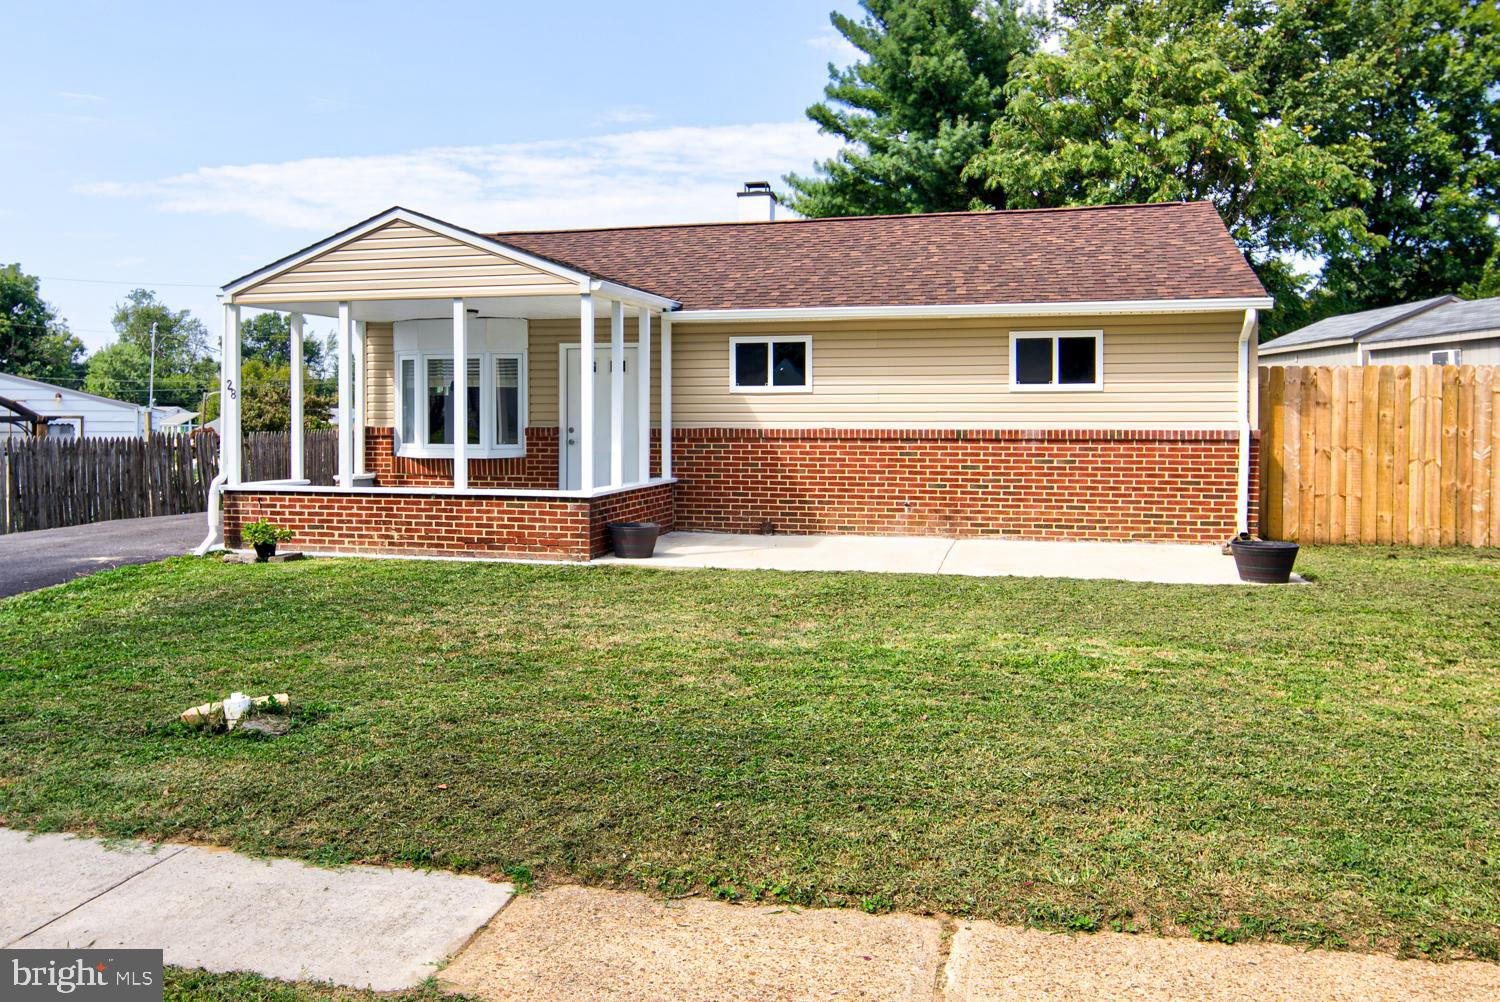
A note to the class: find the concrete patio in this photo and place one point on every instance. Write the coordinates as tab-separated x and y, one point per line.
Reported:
1164	563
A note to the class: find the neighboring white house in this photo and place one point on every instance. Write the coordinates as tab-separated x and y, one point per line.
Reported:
76	414
1444	330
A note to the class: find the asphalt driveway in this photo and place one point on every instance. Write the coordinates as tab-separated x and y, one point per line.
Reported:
30	560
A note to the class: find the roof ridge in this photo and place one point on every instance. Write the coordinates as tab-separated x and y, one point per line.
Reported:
496	234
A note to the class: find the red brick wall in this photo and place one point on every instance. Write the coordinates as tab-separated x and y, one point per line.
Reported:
649	504
537	470
446	525
1149	485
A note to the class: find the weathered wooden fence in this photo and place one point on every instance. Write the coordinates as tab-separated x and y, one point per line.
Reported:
46	483
50	482
1381	454
268	455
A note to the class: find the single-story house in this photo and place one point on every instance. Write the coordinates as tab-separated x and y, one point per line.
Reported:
73	414
1062	374
1444	330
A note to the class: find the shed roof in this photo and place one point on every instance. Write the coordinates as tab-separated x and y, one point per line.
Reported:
1348	327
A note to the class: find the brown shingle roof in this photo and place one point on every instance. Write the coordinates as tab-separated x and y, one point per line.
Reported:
1169	250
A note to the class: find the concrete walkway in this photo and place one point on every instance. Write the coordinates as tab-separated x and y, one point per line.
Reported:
388	929
361	926
30	560
1165	563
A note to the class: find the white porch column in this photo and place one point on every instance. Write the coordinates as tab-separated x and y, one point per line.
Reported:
231	446
346	398
359	396
296	434
460	397
643	392
616	393
666	395
585	392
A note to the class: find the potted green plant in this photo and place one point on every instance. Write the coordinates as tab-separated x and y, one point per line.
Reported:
264	536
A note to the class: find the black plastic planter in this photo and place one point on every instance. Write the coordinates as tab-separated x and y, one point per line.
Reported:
265	551
633	540
1264	561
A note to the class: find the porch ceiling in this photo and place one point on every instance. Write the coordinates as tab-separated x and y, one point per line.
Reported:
438	308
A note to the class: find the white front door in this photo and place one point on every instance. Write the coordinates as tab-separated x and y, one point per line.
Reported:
572	402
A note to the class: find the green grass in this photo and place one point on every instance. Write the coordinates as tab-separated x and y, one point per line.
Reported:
1314	765
181	984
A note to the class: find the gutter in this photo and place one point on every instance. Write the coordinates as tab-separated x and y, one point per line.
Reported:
1094	307
1242	490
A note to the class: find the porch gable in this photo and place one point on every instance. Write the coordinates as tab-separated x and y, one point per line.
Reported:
401	259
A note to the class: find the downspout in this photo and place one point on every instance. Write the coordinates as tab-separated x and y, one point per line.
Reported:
1242	493
214	490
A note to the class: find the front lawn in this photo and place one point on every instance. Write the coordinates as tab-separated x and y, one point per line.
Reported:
1312	764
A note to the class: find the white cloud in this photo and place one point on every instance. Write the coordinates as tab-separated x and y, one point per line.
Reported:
840	51
626	114
681	174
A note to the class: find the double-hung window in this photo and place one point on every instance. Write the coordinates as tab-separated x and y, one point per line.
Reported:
493	396
1057	360
781	364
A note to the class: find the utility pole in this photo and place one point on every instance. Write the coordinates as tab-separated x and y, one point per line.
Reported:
151	379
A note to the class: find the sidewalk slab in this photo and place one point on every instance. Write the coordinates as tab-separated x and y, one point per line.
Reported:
43	876
997	963
572	943
361	926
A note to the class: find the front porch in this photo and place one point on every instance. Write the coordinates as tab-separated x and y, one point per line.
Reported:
552	428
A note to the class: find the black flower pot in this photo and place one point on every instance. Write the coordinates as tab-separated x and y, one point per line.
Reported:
265	551
1264	561
633	540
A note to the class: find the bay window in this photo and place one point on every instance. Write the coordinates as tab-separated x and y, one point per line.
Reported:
494	399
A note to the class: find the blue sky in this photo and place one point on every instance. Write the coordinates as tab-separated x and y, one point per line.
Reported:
177	146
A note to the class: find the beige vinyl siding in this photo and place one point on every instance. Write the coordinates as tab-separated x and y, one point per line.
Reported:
1339	354
1168	371
403	261
1479	351
542	360
380	377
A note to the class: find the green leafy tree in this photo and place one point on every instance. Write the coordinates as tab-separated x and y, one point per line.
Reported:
266	394
916	108
1119	115
34	340
184	368
268	336
1487	285
1406	93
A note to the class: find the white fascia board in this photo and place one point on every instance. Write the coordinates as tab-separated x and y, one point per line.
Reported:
1095	308
457	233
1431	339
629	296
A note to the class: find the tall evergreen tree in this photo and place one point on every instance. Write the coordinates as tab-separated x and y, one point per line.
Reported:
916	108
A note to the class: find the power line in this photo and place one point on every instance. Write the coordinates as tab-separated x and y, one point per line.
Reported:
118	281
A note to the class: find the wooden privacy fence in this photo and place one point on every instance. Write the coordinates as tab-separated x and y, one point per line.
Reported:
1380	454
47	483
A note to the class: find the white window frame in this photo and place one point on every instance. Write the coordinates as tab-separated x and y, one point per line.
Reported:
768	340
487	448
1054	386
1453	356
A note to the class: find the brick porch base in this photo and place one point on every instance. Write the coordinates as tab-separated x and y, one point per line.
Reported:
439	524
